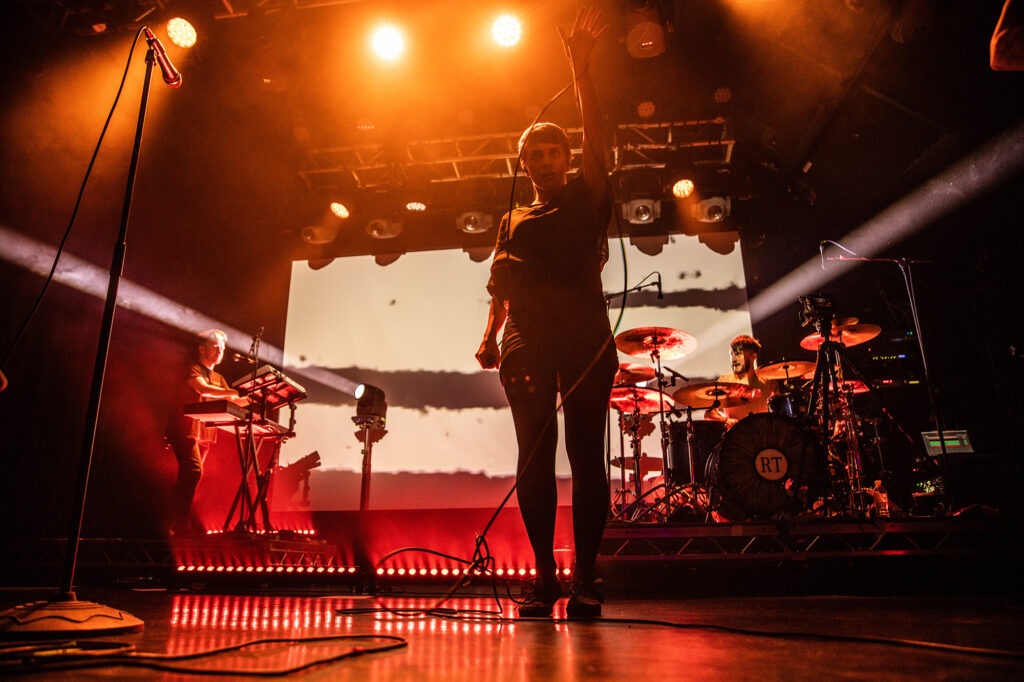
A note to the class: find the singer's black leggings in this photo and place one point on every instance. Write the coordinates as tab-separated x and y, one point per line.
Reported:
532	381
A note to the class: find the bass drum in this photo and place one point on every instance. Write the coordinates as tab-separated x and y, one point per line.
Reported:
768	466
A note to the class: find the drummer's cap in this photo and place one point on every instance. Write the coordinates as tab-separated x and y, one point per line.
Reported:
545	132
745	342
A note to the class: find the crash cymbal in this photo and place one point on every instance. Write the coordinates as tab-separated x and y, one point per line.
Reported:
787	369
642	400
705	394
848	335
647	464
642	341
630	373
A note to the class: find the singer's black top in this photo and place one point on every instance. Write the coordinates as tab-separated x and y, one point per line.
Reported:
547	265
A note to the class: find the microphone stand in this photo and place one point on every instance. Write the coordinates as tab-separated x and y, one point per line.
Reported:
64	612
936	414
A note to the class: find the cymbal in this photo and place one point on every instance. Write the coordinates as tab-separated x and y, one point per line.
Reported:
704	394
642	341
633	374
643	400
647	464
848	335
788	369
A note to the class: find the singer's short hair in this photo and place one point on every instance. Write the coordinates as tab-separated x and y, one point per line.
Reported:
745	342
545	132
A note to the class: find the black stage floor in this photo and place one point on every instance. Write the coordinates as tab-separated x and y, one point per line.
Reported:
936	599
945	637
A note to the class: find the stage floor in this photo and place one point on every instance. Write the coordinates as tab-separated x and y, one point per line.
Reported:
721	638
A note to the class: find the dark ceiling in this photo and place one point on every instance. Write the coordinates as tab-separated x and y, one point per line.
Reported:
839	104
838	108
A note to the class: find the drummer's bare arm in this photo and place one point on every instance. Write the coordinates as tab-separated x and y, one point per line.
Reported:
488	354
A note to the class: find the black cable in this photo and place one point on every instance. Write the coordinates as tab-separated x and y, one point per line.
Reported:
75	655
74	213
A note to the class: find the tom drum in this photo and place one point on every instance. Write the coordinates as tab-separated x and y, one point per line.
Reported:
706	435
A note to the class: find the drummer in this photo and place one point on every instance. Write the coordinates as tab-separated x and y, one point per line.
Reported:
743	352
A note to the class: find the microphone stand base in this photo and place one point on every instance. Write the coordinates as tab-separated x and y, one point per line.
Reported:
64	615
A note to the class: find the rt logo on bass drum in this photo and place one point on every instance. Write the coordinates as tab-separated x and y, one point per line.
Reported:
770	464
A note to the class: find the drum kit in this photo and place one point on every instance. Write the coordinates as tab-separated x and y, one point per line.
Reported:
802	455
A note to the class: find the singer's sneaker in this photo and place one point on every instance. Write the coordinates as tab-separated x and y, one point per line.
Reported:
584	600
539	597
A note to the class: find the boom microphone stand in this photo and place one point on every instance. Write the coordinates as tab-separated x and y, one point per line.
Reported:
936	414
64	612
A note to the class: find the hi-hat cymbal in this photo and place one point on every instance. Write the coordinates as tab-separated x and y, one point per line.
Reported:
642	341
787	369
647	464
848	335
642	400
705	394
633	374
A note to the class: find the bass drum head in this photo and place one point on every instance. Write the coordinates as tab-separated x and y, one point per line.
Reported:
768	466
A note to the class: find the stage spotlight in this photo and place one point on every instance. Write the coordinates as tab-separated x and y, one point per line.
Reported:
641	192
320	234
388	43
474	222
506	30
340	210
370	401
645	29
712	209
645	109
641	211
383	228
682	188
181	32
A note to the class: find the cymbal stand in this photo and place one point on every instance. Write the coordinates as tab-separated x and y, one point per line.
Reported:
635	510
662	422
826	390
622	491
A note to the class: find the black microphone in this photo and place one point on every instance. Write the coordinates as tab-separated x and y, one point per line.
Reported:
238	357
171	75
821	250
659	287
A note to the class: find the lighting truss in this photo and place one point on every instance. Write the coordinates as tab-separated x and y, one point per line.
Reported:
635	145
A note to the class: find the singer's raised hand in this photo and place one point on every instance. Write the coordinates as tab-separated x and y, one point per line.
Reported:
579	44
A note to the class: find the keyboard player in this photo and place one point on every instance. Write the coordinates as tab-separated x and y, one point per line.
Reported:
188	437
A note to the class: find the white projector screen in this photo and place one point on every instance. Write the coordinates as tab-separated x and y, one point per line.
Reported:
412	328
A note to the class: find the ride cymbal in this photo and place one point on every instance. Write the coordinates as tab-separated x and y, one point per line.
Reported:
847	335
642	341
705	394
788	369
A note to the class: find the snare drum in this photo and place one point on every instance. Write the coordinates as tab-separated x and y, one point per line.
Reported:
768	465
